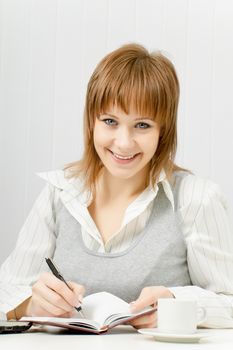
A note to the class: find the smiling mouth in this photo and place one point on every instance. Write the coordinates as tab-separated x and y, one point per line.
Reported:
128	157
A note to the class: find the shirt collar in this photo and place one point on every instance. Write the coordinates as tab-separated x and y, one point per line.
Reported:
166	186
74	186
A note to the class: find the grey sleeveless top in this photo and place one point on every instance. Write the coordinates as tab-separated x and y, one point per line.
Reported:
156	258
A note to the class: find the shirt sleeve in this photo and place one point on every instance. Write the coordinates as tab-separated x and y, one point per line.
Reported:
36	241
209	239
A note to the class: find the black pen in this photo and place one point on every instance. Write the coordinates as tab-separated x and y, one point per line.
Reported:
58	275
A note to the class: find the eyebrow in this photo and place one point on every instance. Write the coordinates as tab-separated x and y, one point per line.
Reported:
139	118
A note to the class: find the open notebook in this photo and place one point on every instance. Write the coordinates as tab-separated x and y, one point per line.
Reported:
102	312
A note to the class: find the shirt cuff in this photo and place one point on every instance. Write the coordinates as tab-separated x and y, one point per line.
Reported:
16	295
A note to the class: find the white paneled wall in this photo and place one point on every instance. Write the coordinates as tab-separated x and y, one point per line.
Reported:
49	48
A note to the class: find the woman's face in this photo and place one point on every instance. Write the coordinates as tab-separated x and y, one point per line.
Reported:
125	143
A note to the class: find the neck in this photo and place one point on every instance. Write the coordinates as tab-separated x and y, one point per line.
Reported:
110	188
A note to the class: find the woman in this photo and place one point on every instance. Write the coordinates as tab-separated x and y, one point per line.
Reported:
125	218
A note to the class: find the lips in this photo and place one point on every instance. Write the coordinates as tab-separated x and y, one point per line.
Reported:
123	156
124	160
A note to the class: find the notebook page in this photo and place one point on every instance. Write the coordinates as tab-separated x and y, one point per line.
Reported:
99	306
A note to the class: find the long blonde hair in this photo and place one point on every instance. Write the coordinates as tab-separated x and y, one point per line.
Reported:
131	78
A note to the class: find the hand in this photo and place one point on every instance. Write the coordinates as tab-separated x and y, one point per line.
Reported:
51	297
148	297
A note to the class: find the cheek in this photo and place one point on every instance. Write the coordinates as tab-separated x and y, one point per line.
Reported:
101	138
151	144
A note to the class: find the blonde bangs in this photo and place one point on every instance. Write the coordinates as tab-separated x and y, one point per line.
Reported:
133	86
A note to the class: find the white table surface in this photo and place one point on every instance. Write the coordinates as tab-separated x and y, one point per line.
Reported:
120	338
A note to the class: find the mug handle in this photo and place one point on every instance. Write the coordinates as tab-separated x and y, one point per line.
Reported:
201	315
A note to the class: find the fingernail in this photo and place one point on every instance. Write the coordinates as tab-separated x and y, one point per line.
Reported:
80	298
77	306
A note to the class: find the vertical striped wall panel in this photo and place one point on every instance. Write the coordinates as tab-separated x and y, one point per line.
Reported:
49	48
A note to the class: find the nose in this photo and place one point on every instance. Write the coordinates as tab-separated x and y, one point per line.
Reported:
124	139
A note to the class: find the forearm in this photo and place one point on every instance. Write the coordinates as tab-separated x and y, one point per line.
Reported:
208	235
25	264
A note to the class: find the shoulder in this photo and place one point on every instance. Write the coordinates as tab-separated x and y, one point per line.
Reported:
55	178
59	185
59	179
196	192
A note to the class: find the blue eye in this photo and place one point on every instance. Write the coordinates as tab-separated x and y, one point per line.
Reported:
143	125
109	121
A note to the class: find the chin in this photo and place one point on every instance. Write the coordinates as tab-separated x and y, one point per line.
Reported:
121	175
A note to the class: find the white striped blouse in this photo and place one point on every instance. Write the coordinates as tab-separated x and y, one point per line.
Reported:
203	217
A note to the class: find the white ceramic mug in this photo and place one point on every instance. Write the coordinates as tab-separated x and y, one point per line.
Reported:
179	316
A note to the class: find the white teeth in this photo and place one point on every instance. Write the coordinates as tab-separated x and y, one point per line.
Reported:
120	157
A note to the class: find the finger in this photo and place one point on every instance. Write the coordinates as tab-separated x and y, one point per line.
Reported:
147	325
143	320
147	297
38	310
78	289
52	297
61	288
69	314
42	307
